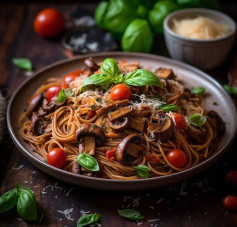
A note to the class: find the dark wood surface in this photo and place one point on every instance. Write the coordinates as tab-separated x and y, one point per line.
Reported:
195	202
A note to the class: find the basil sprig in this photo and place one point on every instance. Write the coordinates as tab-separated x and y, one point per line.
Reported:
22	63
23	198
110	75
88	162
231	90
197	119
64	94
170	107
142	171
198	90
88	219
131	214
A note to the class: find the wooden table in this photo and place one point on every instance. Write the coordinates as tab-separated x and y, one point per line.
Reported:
195	202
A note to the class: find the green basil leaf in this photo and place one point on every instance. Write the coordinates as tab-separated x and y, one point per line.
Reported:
64	94
197	119
23	63
169	108
231	90
21	188
8	200
131	214
26	205
198	90
87	219
88	162
142	77
97	79
142	171
110	67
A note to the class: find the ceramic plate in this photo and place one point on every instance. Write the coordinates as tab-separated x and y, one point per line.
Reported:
191	77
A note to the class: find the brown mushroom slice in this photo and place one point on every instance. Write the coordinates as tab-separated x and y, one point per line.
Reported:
137	122
49	107
90	63
33	102
130	68
41	126
197	134
120	113
78	169
34	117
87	72
119	125
90	145
75	167
217	120
126	152
164	73
163	129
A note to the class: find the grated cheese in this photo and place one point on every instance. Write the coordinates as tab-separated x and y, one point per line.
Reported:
67	213
17	168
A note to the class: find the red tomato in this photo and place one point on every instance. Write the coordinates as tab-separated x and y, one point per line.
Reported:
49	23
111	154
52	93
231	177
177	158
71	76
230	202
179	119
57	157
154	158
91	113
120	92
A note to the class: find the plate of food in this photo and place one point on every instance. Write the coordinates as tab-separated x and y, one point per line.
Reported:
121	121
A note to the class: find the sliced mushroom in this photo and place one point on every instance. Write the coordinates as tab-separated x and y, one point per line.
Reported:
164	73
78	169
49	107
130	68
163	129
217	120
33	102
137	122
119	125
120	113
34	117
128	150
87	72
90	63
197	134
41	126
93	134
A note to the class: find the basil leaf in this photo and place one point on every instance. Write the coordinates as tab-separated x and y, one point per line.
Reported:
97	79
87	219
8	200
88	162
198	90
142	171
21	188
231	90
169	108
197	119
22	63
110	67
141	77
64	94
130	214
26	205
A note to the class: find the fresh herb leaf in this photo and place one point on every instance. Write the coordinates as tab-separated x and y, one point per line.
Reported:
142	171
21	188
169	108
198	90
141	77
131	214
64	94
87	219
215	104
98	99
8	200
22	63
95	126
197	119
88	162
110	67
93	107
231	90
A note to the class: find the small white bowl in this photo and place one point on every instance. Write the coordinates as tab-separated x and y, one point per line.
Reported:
204	54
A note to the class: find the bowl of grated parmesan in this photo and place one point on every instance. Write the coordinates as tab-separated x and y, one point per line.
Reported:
200	37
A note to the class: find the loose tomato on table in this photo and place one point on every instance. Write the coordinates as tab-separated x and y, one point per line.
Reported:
120	92
52	93
230	202
57	158
71	76
231	177
179	120
177	158
49	23
153	158
111	154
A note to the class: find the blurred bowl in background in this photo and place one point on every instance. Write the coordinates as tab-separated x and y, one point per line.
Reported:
202	53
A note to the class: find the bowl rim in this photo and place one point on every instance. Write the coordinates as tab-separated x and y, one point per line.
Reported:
199	10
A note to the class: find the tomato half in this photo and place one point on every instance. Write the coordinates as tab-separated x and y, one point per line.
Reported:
111	154
71	76
57	157
177	158
153	158
231	177
52	93
49	23
120	92
230	202
179	119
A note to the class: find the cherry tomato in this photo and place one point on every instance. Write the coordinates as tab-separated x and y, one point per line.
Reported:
120	92
231	177
177	158
179	119
111	154
52	93
154	158
49	23
57	157
71	76
230	202
91	113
